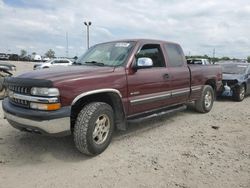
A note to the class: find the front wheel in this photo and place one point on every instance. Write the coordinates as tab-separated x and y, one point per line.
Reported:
205	103
2	93
239	93
94	128
2	89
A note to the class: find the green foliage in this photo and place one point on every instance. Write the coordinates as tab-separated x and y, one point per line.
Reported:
50	53
248	59
23	53
225	58
33	53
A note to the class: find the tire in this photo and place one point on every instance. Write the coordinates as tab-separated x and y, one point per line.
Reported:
239	93
205	103
94	128
2	89
2	93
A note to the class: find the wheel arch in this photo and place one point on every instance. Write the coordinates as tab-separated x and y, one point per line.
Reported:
212	83
245	85
110	96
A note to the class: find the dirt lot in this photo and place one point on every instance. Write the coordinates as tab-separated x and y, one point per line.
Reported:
180	150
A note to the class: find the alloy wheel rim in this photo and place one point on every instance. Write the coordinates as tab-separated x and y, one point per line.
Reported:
242	93
208	99
101	130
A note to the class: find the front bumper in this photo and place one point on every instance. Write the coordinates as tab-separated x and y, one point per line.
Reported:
227	91
229	87
55	123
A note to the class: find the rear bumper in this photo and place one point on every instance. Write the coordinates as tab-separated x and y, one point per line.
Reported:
56	123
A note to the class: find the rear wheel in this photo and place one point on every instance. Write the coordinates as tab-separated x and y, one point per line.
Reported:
205	103
239	93
94	128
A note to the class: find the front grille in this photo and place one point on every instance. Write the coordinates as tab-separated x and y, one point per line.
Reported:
19	90
229	82
19	102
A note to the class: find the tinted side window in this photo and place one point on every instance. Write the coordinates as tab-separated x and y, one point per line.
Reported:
175	55
154	52
56	61
64	61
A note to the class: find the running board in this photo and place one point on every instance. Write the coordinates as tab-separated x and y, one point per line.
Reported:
158	113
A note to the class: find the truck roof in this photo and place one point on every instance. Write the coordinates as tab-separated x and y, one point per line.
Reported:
143	41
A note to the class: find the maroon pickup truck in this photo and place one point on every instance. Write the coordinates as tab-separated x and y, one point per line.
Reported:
110	84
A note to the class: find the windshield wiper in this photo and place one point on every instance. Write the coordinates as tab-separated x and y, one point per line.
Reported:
76	63
95	63
229	73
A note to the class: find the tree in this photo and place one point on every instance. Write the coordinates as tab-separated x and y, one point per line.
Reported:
50	53
23	53
225	58
33	53
248	59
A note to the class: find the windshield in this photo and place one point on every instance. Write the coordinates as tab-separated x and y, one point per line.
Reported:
234	69
107	54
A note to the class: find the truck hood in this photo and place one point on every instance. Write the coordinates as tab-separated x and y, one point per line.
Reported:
232	77
66	73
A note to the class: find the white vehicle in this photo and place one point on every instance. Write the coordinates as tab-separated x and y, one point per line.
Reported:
198	61
45	59
36	58
53	63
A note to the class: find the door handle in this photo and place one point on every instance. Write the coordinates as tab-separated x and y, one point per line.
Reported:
166	76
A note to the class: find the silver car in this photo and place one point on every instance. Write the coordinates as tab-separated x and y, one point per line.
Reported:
52	63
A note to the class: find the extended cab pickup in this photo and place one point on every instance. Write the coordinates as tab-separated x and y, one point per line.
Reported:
110	84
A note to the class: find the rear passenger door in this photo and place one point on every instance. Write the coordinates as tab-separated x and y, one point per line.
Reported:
149	88
179	73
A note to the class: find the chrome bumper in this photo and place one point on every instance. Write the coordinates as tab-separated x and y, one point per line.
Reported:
55	123
60	126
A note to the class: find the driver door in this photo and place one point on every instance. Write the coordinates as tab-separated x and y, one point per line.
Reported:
149	88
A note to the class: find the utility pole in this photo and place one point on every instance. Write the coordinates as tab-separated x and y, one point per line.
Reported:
67	45
88	24
213	55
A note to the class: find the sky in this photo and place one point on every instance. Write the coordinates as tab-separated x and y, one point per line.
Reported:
198	26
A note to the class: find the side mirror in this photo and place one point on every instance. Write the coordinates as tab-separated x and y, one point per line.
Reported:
143	62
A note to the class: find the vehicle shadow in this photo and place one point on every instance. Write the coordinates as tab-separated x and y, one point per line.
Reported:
225	99
26	148
138	126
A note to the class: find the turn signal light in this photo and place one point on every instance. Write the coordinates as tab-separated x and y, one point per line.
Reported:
48	107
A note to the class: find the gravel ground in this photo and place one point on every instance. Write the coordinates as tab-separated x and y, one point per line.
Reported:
182	150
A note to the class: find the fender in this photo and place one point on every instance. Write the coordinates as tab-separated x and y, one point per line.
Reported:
118	109
96	92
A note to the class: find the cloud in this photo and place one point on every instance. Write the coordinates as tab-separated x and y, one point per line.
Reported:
197	25
60	47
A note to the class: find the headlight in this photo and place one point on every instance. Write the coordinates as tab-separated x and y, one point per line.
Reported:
47	92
